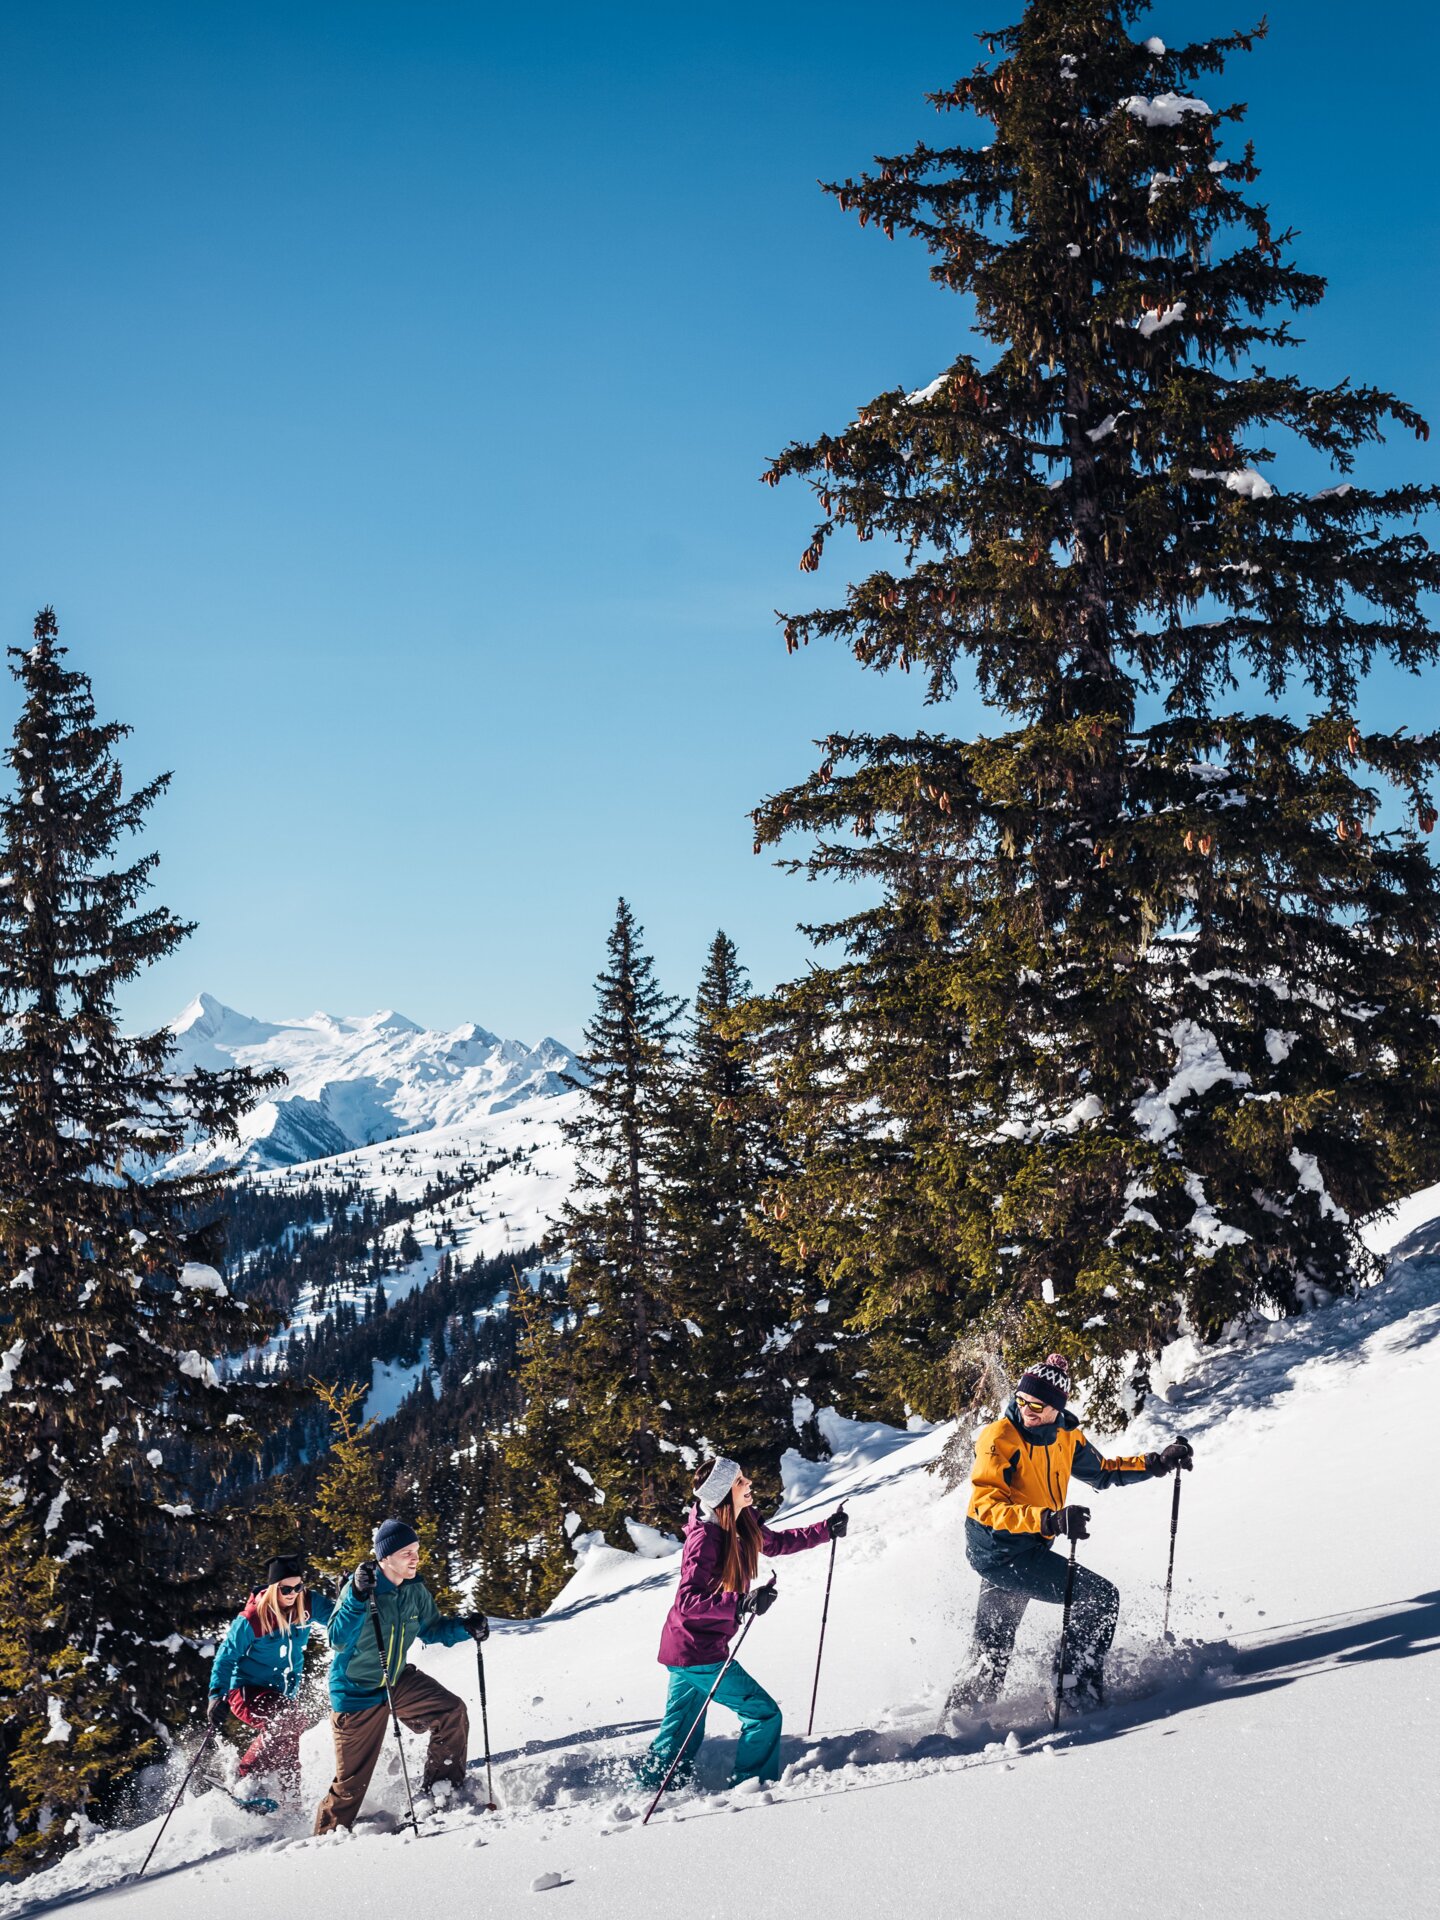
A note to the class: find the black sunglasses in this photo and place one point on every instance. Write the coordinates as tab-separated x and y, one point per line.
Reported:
290	1586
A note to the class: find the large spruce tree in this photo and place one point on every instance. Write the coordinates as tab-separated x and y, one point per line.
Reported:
111	1317
601	1438
1139	1019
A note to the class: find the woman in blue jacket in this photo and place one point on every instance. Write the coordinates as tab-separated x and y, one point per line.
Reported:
259	1665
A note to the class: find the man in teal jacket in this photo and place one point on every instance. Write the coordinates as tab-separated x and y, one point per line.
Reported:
387	1591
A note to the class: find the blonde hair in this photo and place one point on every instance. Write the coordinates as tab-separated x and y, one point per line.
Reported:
271	1615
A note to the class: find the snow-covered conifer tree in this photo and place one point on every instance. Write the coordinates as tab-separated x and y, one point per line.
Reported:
1143	1020
600	1436
112	1320
733	1299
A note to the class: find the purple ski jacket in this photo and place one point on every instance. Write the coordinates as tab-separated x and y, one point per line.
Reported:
702	1620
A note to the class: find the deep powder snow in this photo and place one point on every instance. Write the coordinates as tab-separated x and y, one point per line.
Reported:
1279	1759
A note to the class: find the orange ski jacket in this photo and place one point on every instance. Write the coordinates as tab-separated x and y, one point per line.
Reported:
1020	1471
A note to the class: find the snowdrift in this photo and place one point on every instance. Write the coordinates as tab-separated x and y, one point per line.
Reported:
1280	1755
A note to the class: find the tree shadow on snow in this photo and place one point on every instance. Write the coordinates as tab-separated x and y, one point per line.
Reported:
577	1607
1217	1674
809	1508
1411	1627
1268	1364
815	1506
582	1737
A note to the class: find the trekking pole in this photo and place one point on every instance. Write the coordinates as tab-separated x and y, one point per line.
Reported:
490	1806
704	1709
394	1717
199	1755
1170	1569
1064	1635
824	1616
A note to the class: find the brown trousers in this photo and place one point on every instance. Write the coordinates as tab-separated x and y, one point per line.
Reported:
424	1706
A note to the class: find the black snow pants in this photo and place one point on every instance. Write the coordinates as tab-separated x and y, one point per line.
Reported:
1005	1592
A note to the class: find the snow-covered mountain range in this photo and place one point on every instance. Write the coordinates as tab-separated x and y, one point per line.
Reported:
353	1081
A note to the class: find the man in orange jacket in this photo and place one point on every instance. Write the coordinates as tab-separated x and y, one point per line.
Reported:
1018	1509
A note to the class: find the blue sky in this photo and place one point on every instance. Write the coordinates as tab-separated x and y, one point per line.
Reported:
385	390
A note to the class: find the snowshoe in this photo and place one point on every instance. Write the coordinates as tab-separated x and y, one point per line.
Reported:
977	1689
257	1803
1088	1693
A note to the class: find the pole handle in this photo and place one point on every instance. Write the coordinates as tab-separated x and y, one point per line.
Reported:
752	1612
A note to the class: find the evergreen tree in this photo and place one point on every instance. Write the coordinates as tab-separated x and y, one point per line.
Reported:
1142	1023
114	1417
349	1501
56	1707
273	1524
536	1502
600	1437
730	1294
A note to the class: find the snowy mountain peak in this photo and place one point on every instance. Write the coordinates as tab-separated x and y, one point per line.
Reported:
559	1056
204	1008
391	1022
204	1014
353	1080
208	1021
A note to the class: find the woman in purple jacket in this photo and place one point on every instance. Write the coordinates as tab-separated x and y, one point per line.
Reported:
723	1542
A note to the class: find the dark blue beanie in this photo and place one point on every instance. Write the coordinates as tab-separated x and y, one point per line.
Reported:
390	1536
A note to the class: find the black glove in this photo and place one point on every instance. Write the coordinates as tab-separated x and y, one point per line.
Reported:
217	1713
1179	1454
477	1626
760	1599
362	1580
1071	1521
838	1523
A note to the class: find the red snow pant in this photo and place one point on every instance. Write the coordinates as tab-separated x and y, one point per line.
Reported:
279	1724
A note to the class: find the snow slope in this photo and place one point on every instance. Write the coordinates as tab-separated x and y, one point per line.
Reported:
353	1081
1281	1758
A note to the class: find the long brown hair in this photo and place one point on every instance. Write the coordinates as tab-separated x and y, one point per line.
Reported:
742	1538
272	1616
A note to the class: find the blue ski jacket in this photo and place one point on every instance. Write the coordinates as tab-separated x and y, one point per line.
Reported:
248	1658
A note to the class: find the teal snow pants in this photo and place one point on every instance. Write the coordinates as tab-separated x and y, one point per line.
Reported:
758	1755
